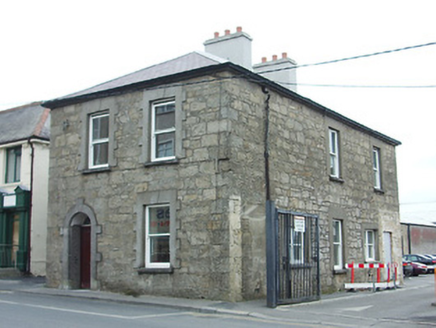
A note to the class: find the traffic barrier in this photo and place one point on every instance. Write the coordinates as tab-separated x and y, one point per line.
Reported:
374	284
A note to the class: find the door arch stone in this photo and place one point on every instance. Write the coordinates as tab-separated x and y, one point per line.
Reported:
78	216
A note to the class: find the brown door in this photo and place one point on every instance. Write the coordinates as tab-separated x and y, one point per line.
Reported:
85	257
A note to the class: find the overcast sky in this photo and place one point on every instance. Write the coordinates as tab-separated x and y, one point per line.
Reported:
53	48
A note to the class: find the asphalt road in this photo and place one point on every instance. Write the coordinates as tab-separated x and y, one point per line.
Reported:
20	310
405	307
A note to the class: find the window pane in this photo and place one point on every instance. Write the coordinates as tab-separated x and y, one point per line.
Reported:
374	158
370	237
332	164
18	165
101	153
165	145
337	244
165	108
371	252
100	127
13	165
10	169
376	179
332	142
336	232
376	167
159	220
159	249
164	120
337	254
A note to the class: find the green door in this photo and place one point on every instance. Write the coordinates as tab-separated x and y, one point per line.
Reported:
9	239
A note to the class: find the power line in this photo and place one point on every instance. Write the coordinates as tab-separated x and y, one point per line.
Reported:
362	86
352	58
332	62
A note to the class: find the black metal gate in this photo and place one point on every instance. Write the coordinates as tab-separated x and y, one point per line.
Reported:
293	271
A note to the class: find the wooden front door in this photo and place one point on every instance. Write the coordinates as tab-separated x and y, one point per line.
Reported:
85	257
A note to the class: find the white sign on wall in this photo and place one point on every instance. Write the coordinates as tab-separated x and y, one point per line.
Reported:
299	224
10	200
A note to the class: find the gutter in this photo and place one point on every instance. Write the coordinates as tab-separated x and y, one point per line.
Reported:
266	146
19	142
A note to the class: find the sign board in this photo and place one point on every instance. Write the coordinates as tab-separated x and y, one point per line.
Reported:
299	224
9	200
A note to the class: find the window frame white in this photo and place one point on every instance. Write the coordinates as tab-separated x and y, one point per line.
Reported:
334	169
370	246
376	168
155	133
338	263
94	142
147	252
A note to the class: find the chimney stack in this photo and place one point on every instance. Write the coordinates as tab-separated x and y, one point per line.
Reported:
234	47
279	70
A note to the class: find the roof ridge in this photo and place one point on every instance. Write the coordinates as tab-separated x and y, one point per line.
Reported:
211	56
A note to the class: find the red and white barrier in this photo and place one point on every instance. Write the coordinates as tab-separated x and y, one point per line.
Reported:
373	284
365	265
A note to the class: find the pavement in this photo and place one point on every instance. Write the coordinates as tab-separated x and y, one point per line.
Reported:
256	308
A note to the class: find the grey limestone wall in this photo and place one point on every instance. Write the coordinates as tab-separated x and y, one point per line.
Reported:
206	248
217	189
300	181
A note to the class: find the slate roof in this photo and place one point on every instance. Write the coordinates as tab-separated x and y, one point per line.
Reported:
188	62
27	121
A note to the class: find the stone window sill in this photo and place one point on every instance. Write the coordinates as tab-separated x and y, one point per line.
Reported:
340	271
158	163
97	170
155	270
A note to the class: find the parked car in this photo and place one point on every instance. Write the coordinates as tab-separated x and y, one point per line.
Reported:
429	262
418	268
407	269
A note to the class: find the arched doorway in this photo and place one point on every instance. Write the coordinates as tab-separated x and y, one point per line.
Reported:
80	255
80	252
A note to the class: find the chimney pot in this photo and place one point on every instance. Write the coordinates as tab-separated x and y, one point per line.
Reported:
284	55
263	59
227	32
216	34
239	29
274	57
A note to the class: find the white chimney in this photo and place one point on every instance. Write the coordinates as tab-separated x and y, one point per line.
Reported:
279	70
234	47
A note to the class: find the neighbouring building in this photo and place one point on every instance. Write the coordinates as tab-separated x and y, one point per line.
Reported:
159	180
24	161
418	224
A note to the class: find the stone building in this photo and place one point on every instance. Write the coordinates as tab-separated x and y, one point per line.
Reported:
24	157
159	179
